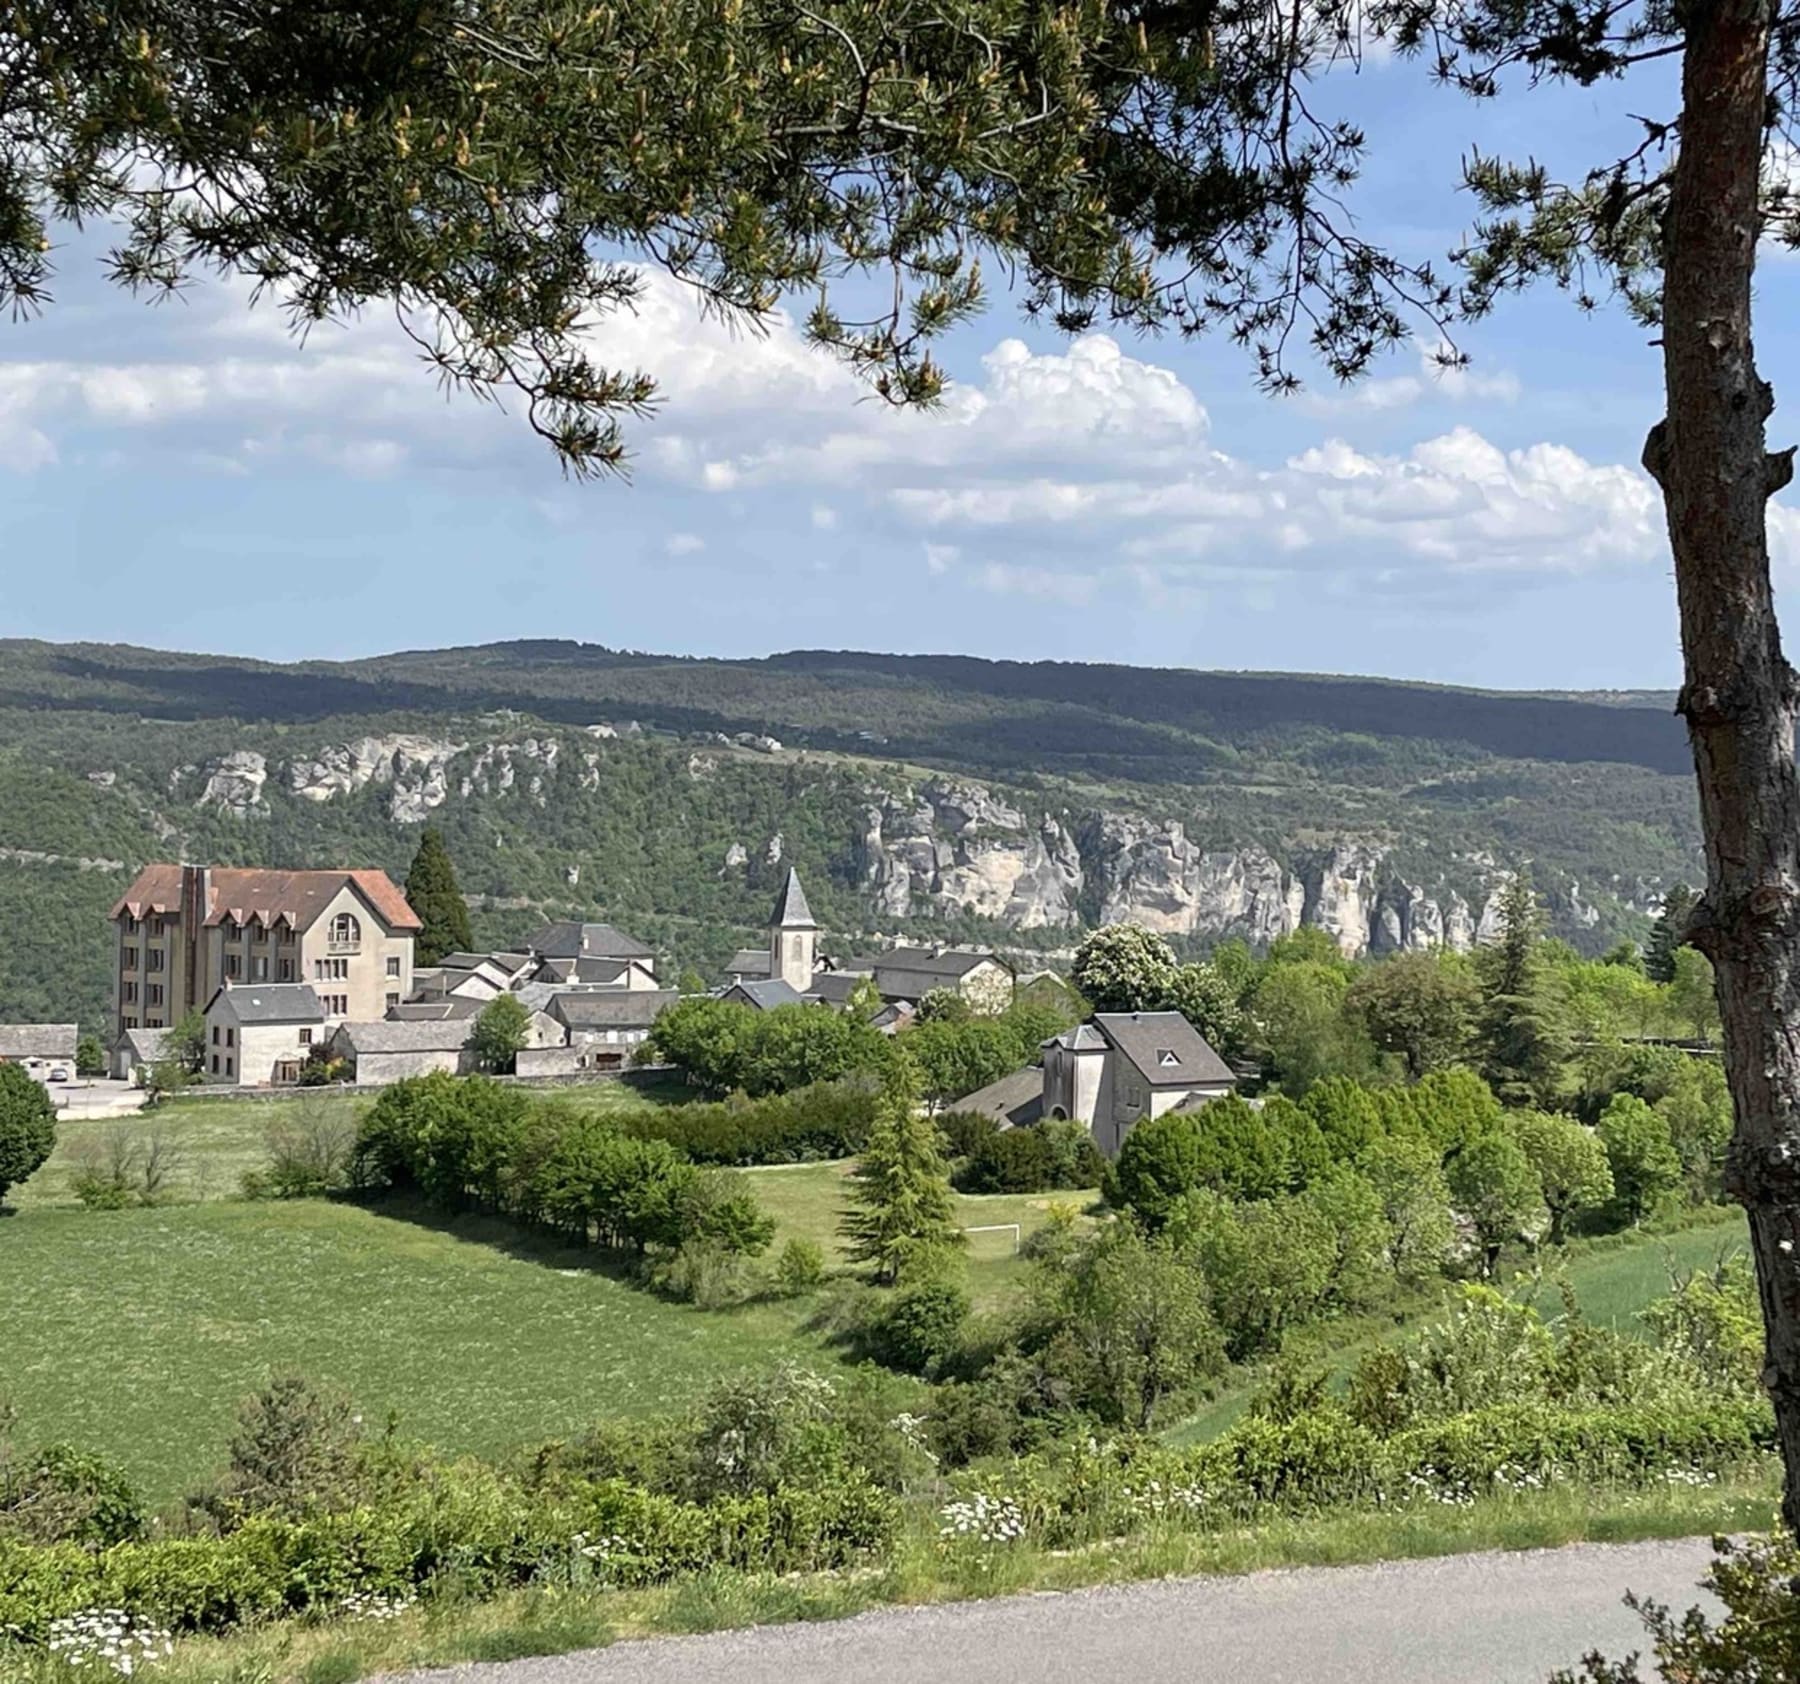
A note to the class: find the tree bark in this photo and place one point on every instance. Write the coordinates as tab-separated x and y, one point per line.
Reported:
1710	459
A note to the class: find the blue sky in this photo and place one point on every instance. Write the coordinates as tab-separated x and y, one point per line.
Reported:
185	476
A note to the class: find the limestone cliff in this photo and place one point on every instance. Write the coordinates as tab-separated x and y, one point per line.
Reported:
915	850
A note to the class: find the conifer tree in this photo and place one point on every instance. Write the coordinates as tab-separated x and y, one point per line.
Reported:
1668	934
1525	1043
432	893
901	1206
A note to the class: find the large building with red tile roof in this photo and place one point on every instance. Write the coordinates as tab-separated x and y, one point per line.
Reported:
185	931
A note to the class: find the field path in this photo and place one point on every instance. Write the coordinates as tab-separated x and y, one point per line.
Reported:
1472	1619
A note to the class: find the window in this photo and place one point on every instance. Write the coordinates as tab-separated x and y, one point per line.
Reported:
259	967
233	966
215	1035
156	926
1167	1058
129	958
393	1000
232	929
287	970
215	1063
393	968
306	1037
287	1071
128	991
154	959
155	994
131	925
336	1005
331	970
345	930
227	1066
153	1023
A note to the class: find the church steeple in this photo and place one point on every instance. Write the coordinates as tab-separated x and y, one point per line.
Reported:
793	936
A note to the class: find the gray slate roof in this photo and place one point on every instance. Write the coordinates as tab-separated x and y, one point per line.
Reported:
273	1002
611	1008
765	995
1166	1049
1084	1037
1014	1101
570	940
146	1044
834	990
38	1040
446	1035
451	1010
749	961
791	911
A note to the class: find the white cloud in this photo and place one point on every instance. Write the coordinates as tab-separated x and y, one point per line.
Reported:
1059	467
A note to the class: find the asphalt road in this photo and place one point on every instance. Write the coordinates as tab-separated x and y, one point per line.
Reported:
1473	1619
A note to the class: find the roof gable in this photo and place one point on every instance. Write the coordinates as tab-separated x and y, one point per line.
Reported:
1164	1048
296	898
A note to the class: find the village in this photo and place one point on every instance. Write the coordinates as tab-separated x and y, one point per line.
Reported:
309	977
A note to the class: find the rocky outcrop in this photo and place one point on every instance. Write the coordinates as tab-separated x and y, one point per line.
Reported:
416	768
1149	872
235	782
948	844
957	843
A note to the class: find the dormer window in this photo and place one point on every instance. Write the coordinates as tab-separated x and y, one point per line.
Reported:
1167	1058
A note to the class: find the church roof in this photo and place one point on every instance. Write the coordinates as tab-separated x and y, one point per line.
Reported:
791	911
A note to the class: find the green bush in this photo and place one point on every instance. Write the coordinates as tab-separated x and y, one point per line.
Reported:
918	1326
824	1120
799	1267
965	1131
1015	1161
63	1495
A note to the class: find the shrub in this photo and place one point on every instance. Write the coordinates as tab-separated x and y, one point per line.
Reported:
918	1327
123	1168
708	1274
310	1150
1015	1161
964	1131
824	1120
63	1495
296	1451
799	1267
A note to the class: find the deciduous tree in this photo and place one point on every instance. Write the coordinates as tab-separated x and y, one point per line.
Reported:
27	1126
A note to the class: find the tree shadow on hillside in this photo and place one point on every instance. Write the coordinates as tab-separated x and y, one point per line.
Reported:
501	1234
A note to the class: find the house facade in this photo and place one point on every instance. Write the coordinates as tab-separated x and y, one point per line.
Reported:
258	1035
1121	1068
183	932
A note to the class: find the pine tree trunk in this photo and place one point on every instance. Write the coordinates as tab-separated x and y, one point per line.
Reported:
1739	696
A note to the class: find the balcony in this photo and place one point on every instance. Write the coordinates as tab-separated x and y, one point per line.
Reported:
343	949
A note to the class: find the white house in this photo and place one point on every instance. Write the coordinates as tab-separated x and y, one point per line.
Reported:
1121	1067
259	1035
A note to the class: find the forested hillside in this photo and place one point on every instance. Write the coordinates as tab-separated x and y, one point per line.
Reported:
942	797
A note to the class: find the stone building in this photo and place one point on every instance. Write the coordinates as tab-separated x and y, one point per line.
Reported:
183	932
258	1035
1120	1068
792	955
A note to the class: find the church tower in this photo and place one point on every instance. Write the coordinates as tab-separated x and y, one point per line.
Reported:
793	936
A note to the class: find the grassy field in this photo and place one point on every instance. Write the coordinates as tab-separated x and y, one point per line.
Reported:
136	1332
